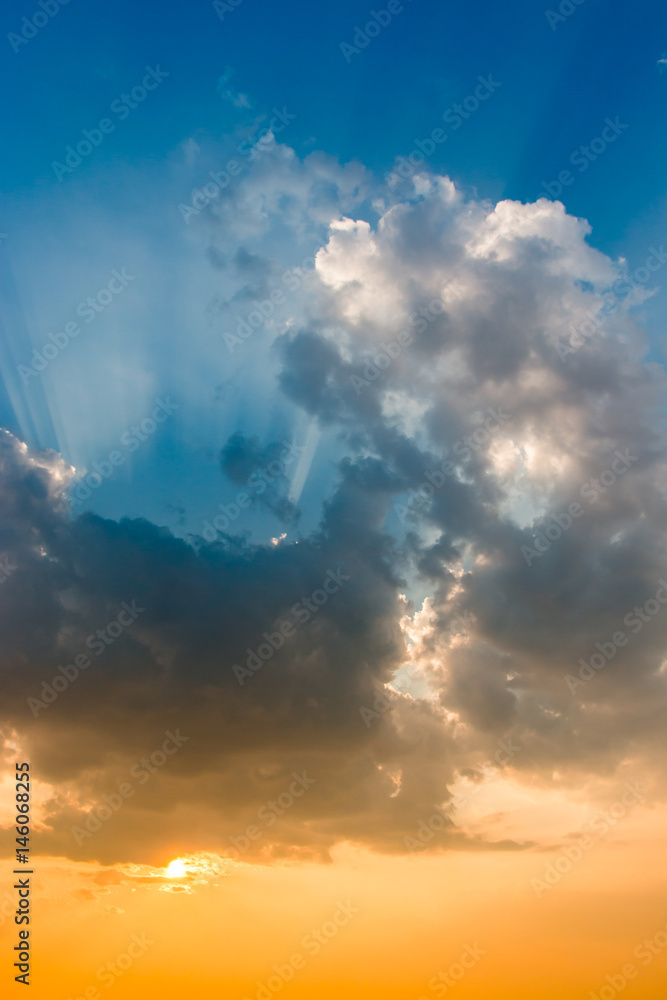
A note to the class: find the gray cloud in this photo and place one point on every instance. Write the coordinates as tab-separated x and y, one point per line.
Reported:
513	280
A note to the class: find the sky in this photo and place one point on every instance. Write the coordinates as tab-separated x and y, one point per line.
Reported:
332	498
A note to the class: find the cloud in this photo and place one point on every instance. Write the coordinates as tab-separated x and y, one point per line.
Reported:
264	470
512	281
227	93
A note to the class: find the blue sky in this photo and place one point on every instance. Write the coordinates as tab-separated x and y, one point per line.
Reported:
557	88
559	83
281	308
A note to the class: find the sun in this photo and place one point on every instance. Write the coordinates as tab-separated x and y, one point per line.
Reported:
177	869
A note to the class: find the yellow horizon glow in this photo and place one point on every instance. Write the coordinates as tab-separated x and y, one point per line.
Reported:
412	917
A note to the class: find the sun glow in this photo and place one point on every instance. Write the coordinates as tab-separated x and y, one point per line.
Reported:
177	869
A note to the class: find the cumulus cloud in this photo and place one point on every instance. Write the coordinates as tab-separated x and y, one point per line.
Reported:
429	494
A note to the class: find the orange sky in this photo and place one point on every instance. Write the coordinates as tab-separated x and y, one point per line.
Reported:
219	931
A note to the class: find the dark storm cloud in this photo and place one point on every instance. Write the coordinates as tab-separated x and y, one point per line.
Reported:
431	498
199	613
